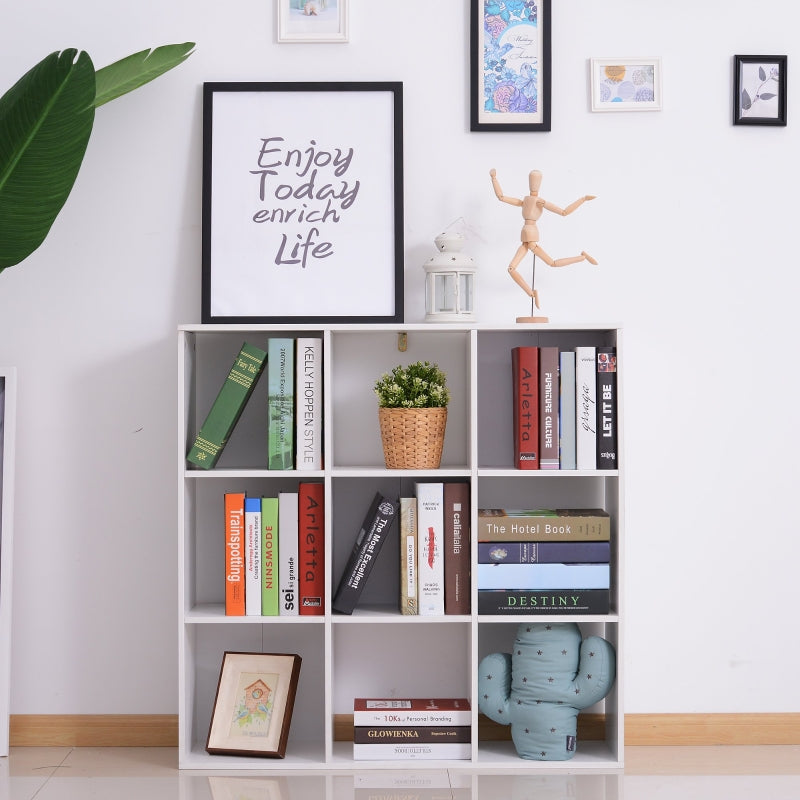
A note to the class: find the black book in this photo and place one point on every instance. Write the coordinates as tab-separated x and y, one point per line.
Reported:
376	526
607	408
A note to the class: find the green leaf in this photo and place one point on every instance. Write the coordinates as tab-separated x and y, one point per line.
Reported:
130	73
46	119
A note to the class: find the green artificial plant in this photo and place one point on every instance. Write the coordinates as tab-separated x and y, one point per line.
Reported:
419	385
46	119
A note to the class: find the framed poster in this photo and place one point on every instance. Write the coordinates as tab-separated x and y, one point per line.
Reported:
759	90
254	704
312	20
302	202
626	84
510	65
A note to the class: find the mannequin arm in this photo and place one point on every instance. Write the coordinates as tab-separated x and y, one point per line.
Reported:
499	192
564	212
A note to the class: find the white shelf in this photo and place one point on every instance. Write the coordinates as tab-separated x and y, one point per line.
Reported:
376	651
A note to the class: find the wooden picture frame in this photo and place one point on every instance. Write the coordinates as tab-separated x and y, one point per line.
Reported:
253	707
312	20
510	60
626	84
302	202
759	90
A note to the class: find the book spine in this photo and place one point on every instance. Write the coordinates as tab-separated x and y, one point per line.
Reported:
544	576
252	525
425	734
287	554
586	408
441	751
430	536
548	408
269	560
416	718
525	378
408	556
456	548
567	601
227	407
374	529
544	552
428	705
311	547
234	554
607	408
562	527
566	412
280	401
308	395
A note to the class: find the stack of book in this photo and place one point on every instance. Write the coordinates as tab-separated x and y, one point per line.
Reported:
414	729
565	407
543	561
293	416
275	553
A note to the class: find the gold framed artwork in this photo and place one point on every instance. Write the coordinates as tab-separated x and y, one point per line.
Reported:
253	707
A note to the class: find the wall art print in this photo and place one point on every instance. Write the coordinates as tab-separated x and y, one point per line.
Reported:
312	20
302	203
759	90
626	84
254	704
510	65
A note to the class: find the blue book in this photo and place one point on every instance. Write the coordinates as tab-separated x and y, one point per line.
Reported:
544	552
544	576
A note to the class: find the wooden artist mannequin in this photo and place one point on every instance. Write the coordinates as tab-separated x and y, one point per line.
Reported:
532	207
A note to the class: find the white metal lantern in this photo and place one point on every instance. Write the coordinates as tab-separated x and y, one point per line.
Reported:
449	281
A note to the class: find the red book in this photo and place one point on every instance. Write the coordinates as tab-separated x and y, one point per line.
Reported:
525	376
456	548
311	548
234	554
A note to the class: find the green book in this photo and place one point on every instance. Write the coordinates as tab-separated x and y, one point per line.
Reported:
280	401
227	408
269	556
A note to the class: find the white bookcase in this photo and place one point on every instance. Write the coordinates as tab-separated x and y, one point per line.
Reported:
376	651
8	418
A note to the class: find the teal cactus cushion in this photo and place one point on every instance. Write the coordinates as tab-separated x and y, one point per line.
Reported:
539	689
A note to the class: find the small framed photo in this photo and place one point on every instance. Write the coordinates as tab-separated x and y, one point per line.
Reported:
510	66
302	202
254	703
759	90
312	20
626	84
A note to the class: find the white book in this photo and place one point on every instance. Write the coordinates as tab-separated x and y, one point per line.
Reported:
308	403
585	408
437	751
548	577
430	547
408	556
567	421
288	555
252	538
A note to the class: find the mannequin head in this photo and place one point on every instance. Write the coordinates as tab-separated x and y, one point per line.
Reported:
534	181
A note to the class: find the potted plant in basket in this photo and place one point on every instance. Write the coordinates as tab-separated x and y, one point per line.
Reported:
412	412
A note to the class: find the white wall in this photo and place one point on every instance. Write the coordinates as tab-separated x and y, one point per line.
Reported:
695	229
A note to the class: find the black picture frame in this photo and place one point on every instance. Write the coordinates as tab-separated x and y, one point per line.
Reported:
302	202
752	105
510	67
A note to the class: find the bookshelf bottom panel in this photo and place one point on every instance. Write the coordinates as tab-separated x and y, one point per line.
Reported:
210	642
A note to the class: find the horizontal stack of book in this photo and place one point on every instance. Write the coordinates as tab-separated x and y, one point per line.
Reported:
565	407
275	553
293	416
414	729
543	561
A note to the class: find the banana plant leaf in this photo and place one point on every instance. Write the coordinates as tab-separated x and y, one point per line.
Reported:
46	120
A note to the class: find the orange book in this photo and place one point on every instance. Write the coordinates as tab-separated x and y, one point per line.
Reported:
311	548
234	554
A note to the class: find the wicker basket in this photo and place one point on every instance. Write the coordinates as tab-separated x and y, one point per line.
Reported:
412	437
